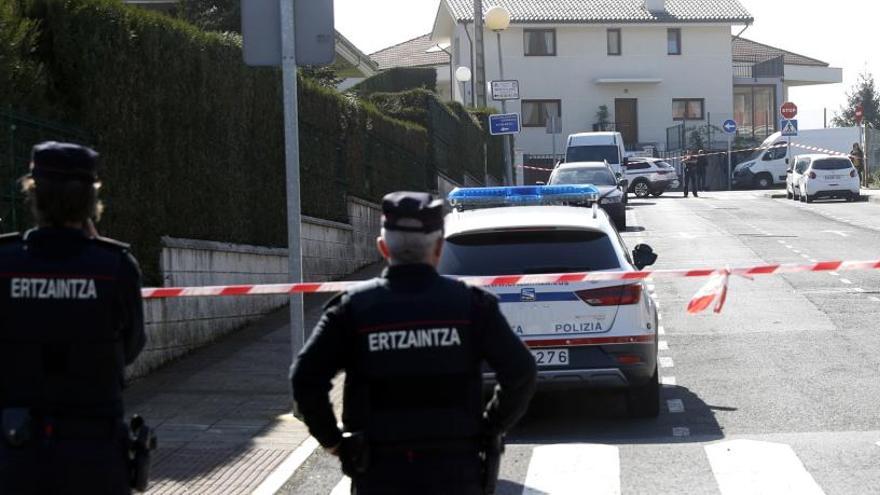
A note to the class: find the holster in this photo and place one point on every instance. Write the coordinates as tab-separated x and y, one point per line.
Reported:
142	441
493	448
17	426
354	452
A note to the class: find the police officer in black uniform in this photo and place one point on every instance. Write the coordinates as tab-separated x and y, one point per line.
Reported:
70	320
411	343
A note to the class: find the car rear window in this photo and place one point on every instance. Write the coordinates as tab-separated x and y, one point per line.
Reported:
528	252
664	165
596	153
597	176
832	164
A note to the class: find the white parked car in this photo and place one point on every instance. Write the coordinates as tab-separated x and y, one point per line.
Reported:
582	334
650	176
824	176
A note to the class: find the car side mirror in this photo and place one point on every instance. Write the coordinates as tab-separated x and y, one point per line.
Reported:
788	171
625	161
643	255
624	183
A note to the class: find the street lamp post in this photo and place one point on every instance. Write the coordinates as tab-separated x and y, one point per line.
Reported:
498	19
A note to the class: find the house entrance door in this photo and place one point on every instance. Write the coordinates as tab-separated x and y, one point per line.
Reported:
626	116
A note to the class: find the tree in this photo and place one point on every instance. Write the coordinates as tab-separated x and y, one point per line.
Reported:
323	75
863	93
212	15
21	75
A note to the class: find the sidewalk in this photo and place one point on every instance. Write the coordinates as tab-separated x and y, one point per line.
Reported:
223	413
868	195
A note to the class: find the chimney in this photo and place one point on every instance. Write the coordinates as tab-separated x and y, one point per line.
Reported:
656	6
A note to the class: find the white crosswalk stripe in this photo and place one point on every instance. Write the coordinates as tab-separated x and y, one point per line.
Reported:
570	468
343	487
751	467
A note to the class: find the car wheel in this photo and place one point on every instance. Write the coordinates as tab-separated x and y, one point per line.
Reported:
808	198
789	194
641	188
855	197
644	401
763	181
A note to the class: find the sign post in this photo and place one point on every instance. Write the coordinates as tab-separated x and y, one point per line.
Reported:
554	127
789	126
729	127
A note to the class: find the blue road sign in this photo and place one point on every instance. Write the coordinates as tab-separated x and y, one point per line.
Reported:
504	123
729	126
789	127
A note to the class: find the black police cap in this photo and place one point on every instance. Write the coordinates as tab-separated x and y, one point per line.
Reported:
412	212
64	161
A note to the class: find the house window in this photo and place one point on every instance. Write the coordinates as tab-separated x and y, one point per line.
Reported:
535	113
673	41
614	42
687	109
754	109
539	42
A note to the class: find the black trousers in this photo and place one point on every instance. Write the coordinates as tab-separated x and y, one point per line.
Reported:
457	474
690	179
54	466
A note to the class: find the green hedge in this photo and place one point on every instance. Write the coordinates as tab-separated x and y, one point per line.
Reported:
192	139
398	79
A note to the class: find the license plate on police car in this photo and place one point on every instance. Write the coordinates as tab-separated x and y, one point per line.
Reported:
551	357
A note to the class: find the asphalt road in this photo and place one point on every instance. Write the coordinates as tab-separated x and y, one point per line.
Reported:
778	394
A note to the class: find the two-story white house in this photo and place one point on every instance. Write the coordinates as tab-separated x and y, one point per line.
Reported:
653	64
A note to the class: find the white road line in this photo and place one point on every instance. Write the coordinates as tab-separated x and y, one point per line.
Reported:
681	431
813	260
781	241
659	316
796	251
343	487
286	469
662	331
663	345
669	381
805	256
859	289
875	299
834	274
846	281
666	362
571	468
747	467
675	406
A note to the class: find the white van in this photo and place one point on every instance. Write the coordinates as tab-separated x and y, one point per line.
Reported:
597	147
768	165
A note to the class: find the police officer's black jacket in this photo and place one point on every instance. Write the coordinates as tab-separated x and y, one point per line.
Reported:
71	318
412	343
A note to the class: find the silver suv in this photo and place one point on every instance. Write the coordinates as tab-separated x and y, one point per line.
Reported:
650	176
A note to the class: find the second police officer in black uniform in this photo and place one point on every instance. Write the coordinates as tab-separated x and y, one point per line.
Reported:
70	320
411	343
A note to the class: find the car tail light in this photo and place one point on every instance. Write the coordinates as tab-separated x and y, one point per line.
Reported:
628	359
620	295
812	175
852	173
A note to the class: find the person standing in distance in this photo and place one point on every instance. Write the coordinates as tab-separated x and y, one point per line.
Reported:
690	173
71	318
411	343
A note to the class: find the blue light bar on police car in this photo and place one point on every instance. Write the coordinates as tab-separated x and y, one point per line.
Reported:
464	197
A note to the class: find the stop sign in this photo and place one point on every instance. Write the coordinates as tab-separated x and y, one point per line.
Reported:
789	110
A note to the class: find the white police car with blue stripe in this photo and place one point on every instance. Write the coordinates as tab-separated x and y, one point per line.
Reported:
582	334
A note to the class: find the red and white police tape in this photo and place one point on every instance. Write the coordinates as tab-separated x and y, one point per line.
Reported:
714	291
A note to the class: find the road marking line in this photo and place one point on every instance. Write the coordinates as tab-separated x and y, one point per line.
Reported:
796	251
805	256
781	241
662	331
571	468
668	381
659	316
813	260
681	431
859	289
663	345
286	469
675	406
834	274
666	362
343	487
747	466
875	299
846	281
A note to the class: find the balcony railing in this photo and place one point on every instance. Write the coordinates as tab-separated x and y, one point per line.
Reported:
756	67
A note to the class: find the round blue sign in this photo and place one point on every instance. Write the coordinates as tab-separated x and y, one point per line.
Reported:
729	126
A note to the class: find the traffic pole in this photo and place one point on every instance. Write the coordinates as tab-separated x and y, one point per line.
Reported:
729	163
291	155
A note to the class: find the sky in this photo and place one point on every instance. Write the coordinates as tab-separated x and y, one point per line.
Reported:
837	32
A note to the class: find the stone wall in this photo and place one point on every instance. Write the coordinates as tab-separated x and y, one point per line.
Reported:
331	250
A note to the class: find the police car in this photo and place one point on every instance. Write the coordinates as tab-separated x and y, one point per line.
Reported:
582	334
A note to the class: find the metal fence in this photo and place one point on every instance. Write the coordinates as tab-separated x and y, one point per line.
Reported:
18	134
755	67
872	154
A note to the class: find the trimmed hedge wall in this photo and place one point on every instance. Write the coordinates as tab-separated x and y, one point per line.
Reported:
192	139
398	79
